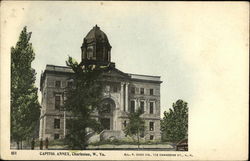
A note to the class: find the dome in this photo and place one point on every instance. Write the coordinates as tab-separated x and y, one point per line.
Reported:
96	47
95	34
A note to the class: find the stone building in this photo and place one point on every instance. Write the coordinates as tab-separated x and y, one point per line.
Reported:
124	93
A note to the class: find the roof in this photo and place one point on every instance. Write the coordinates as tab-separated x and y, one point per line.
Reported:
96	34
55	68
145	77
67	70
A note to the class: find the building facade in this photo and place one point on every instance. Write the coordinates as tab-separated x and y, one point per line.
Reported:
123	93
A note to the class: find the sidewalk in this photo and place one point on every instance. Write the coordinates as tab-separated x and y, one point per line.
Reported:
166	147
132	147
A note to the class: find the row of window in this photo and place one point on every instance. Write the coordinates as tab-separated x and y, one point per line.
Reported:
151	125
132	105
68	123
57	123
57	136
114	88
142	91
57	102
151	128
142	106
58	84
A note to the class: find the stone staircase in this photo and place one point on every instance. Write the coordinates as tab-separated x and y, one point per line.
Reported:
105	135
93	137
110	135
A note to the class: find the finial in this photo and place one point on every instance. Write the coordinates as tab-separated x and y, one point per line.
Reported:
96	27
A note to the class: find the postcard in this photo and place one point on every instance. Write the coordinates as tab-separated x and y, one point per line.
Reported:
108	80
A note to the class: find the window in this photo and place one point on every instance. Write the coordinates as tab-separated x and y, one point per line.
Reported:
151	107
151	126
105	123
142	106
56	123
133	90
151	137
151	92
106	108
90	54
142	90
56	136
125	123
132	107
107	88
57	102
58	84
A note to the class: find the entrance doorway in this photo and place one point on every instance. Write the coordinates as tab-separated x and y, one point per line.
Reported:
105	122
105	112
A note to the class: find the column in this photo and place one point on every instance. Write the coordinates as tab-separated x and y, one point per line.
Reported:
41	128
136	104
44	127
122	97
126	97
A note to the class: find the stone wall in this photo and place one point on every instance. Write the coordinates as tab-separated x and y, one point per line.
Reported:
49	113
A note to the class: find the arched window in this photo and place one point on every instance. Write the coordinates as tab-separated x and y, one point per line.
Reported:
90	52
107	106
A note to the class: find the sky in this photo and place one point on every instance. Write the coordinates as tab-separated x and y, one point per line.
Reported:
200	50
177	41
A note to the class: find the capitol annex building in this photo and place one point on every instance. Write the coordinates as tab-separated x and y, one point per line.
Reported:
123	93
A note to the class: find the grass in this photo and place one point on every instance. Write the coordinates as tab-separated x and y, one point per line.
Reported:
60	142
56	142
51	143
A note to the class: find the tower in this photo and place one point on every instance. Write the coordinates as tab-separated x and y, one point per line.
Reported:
95	47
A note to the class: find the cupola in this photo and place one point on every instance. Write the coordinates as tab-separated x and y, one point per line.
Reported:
96	47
